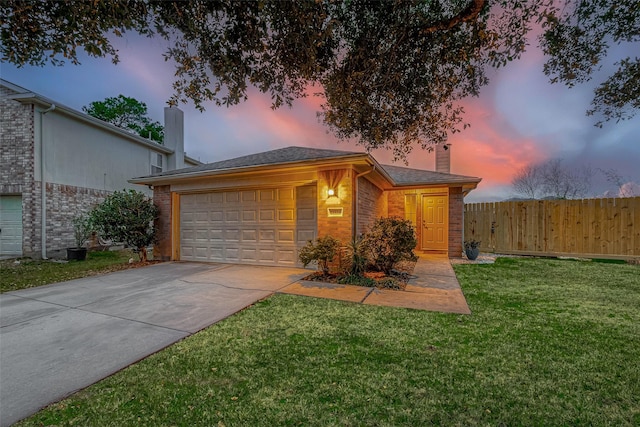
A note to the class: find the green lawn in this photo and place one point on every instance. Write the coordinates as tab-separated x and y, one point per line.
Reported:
29	273
549	343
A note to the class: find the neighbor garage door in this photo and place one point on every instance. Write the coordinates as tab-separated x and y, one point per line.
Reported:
10	225
254	226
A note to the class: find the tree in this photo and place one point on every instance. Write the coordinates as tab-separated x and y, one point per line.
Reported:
127	217
552	179
624	187
392	73
528	181
127	113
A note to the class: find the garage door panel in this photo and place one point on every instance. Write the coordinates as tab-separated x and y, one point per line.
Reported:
249	255
306	214
232	216
285	215
231	197
250	236
306	235
216	216
249	215
261	226
232	235
286	257
285	236
249	196
267	195
268	235
267	215
285	194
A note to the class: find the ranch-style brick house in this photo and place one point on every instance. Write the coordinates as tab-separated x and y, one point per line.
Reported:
262	208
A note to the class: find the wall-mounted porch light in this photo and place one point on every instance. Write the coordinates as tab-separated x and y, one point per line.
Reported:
331	192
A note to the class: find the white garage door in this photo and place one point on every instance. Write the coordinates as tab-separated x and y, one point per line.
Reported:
10	225
258	226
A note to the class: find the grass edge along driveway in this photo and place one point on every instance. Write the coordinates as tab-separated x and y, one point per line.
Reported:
549	343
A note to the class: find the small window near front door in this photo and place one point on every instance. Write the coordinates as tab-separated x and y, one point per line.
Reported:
411	209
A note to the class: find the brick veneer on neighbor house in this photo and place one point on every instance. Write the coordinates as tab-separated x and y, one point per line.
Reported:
17	160
17	177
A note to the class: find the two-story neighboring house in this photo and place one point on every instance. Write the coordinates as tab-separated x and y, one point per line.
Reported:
57	162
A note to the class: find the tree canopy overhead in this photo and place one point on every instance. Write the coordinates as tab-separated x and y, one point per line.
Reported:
392	73
127	113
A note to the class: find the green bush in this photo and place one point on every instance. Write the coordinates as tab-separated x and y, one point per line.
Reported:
357	258
127	217
389	241
356	279
322	251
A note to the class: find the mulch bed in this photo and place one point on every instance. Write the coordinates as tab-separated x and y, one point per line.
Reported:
397	280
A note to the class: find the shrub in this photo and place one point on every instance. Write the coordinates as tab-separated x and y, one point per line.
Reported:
322	251
127	217
82	229
357	257
389	241
355	279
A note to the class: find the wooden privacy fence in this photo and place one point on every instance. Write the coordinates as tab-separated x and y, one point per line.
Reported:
605	228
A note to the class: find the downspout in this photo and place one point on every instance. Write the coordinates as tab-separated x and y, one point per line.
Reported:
43	186
355	201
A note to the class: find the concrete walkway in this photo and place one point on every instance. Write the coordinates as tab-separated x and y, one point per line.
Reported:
60	338
434	288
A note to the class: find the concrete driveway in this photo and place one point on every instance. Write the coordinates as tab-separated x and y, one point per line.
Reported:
60	338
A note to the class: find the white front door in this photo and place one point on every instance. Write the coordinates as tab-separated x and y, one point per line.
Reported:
10	225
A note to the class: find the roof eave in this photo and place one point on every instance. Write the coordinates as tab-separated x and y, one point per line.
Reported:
34	98
186	176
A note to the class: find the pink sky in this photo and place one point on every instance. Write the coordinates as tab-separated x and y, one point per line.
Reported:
519	118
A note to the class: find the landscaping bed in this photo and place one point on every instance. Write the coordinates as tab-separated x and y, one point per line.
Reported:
396	280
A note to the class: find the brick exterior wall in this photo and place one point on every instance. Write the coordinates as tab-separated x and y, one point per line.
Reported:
339	227
162	199
64	202
456	221
395	203
372	204
17	165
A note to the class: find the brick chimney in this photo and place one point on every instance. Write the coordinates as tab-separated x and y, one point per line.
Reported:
174	137
443	158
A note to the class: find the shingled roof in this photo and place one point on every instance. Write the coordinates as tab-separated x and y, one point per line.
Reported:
279	156
400	176
408	176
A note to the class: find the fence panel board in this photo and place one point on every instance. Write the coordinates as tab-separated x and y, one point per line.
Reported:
591	227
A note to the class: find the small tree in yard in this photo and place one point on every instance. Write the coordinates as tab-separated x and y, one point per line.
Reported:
389	241
322	251
127	217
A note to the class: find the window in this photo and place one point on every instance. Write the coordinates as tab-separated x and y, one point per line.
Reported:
411	208
156	162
